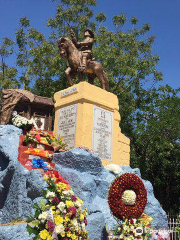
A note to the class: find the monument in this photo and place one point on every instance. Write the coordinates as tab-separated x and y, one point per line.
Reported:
88	116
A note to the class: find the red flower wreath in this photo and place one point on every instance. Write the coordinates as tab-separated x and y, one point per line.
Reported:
127	181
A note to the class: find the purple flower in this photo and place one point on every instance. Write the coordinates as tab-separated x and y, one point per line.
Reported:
72	210
85	221
50	226
66	229
73	198
55	201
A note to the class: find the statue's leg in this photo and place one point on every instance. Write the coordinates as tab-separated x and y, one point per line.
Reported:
91	78
106	81
100	76
67	72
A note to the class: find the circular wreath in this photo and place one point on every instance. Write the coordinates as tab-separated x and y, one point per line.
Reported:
127	181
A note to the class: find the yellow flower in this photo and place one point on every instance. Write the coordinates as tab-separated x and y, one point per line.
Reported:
81	217
61	185
67	219
44	234
68	234
63	234
50	238
57	212
53	209
69	204
81	202
46	177
58	219
73	236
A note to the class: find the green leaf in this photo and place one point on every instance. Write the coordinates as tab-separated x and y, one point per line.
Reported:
30	219
42	205
32	230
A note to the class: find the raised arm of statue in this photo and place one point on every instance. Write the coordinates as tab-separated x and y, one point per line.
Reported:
73	37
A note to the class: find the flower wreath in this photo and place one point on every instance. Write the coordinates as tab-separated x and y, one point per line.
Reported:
127	181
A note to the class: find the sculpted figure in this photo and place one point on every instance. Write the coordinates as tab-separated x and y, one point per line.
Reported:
84	47
79	56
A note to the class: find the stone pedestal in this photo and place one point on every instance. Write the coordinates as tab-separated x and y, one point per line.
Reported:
88	116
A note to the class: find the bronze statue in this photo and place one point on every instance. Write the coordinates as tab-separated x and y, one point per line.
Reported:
79	55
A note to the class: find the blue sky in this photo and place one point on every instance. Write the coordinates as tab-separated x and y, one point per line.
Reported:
162	15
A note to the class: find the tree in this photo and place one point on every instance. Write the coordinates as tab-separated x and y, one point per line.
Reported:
8	75
155	143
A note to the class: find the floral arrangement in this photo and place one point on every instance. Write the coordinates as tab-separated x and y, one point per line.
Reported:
161	235
30	138
60	217
132	229
46	138
120	201
39	152
21	122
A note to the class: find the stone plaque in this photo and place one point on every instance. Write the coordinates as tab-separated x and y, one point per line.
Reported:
67	124
102	133
69	91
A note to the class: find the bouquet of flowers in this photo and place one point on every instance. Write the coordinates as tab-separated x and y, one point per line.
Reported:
30	139
132	229
44	137
61	216
161	235
21	122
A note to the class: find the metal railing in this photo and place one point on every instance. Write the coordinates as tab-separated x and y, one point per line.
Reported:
172	224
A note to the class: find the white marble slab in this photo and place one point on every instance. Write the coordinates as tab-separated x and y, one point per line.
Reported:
67	124
102	133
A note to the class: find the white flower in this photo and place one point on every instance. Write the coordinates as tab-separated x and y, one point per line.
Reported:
77	204
20	121
59	228
74	221
68	192
61	206
83	226
50	194
43	216
114	168
129	197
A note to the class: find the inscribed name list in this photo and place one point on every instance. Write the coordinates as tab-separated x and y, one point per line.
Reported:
102	133
67	124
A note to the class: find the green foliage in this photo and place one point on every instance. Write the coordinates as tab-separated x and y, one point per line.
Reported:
42	205
177	229
31	230
155	145
8	75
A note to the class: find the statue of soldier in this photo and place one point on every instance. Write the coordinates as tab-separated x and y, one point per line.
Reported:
85	47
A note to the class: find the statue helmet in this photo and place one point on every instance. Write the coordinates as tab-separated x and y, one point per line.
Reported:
90	32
